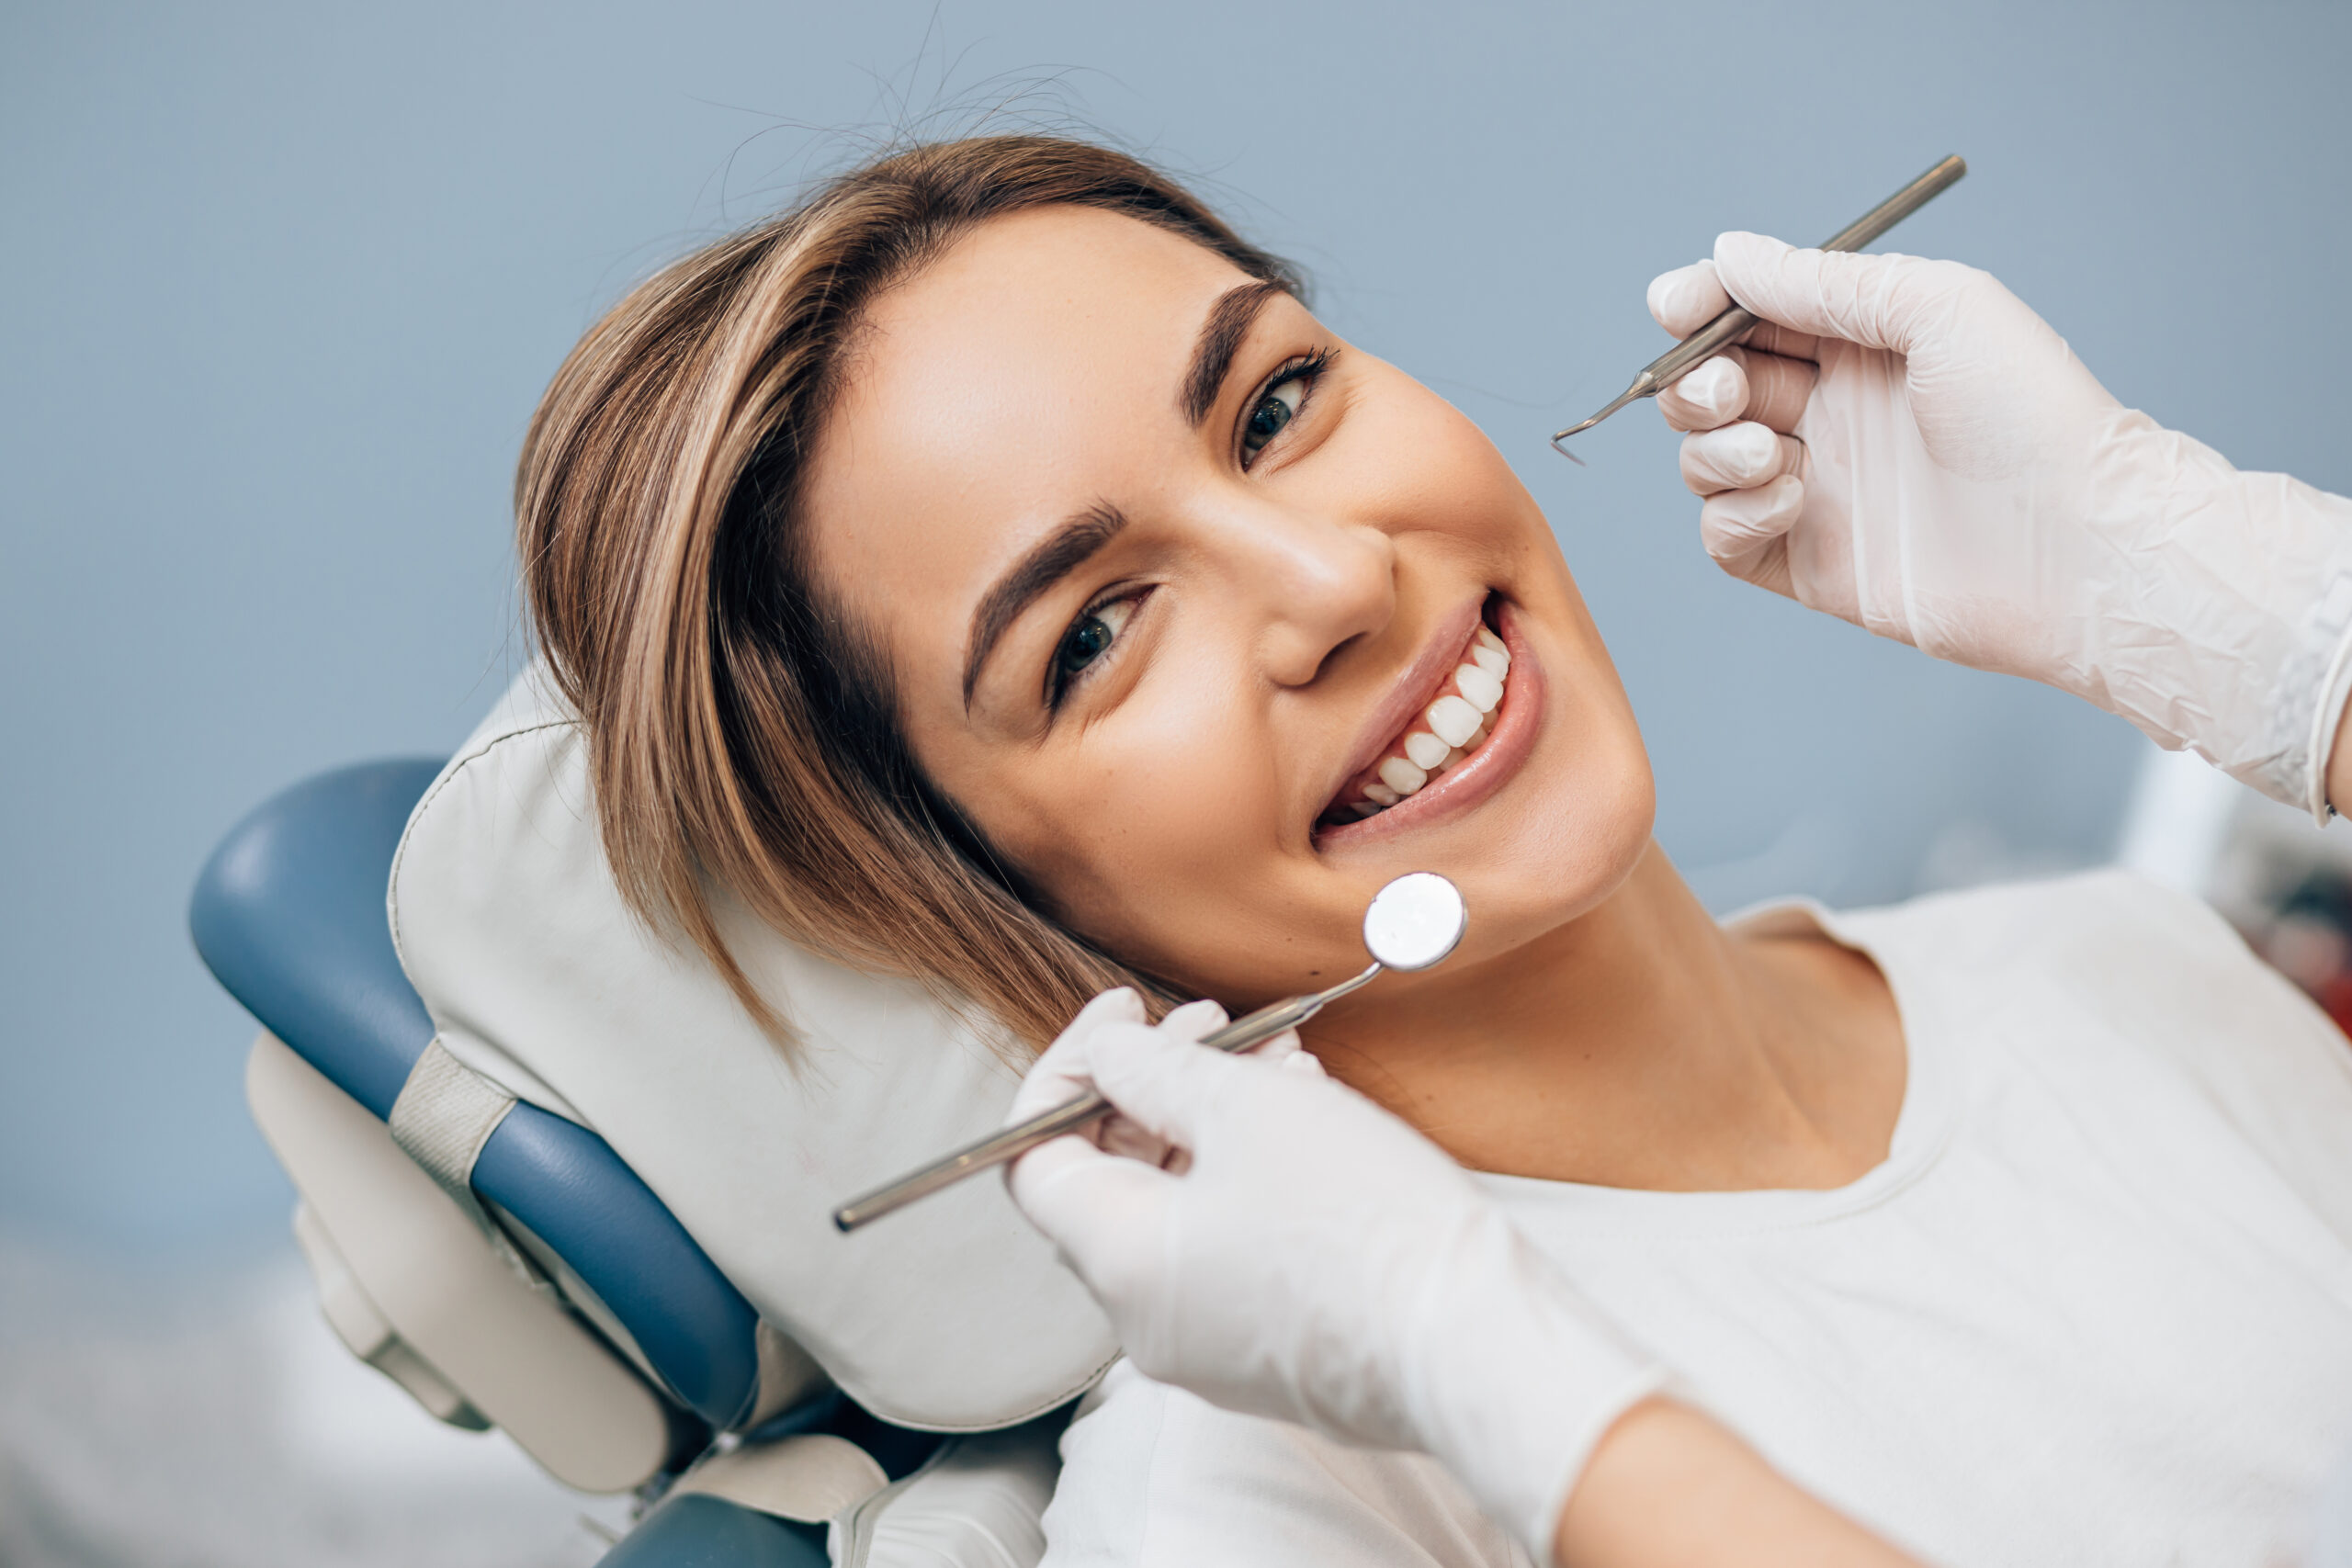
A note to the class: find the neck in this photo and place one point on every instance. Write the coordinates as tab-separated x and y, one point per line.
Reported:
1638	1045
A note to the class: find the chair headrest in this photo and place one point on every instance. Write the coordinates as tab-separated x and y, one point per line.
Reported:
952	1316
289	913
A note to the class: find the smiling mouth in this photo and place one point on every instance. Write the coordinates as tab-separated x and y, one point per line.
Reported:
1448	727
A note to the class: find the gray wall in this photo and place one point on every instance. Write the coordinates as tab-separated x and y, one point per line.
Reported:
280	287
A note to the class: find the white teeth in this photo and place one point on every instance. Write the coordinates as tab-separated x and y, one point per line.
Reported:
1402	776
1486	692
1452	719
1457	725
1425	750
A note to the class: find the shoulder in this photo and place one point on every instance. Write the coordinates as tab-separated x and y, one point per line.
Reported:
2136	956
2067	919
2130	950
1153	1477
2122	986
2108	943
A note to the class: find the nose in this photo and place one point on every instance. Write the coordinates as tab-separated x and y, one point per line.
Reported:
1310	583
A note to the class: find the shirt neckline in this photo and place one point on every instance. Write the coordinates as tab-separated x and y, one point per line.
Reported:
1922	1127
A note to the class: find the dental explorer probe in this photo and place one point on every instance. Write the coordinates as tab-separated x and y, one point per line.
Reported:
1733	324
1412	923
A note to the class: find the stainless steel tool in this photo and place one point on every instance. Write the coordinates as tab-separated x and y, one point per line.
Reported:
1413	923
1733	324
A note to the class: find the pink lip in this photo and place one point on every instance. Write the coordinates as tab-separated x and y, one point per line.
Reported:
1476	776
1413	691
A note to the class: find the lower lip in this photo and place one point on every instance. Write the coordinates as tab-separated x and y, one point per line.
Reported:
1469	782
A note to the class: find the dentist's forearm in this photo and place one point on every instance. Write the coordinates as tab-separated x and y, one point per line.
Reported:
1670	1487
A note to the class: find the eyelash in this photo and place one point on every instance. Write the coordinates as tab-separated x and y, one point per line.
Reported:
1306	368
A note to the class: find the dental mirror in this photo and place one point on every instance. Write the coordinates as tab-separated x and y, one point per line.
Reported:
1412	923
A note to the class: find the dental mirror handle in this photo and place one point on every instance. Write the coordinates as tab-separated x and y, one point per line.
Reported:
1736	322
1013	1142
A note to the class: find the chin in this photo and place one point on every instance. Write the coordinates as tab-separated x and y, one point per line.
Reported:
1574	842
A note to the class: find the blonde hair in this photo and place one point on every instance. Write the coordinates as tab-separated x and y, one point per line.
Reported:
743	730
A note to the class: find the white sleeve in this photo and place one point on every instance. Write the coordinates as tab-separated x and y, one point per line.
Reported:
974	1505
1153	1477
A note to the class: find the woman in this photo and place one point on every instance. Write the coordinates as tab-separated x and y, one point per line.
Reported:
993	573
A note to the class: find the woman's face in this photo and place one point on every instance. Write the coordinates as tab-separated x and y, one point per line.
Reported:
1170	579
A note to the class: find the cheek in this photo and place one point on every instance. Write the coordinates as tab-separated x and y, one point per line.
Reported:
1135	833
1416	460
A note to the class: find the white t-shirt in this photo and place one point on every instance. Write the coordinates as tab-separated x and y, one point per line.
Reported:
2096	1307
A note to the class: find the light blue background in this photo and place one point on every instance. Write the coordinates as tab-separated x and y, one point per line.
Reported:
281	284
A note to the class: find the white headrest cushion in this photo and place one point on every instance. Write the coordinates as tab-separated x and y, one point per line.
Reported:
953	1315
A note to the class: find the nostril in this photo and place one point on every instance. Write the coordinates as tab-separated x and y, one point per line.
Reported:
1336	652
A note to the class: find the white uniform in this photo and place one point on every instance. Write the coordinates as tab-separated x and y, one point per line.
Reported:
2096	1307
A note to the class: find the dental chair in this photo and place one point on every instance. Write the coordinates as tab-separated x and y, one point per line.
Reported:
476	1238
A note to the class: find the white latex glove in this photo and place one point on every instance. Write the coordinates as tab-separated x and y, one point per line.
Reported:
1959	482
1282	1246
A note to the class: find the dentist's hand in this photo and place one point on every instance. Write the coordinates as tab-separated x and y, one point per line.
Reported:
1282	1246
1905	445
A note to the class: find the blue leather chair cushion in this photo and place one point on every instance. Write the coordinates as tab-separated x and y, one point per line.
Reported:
701	1531
574	1192
289	913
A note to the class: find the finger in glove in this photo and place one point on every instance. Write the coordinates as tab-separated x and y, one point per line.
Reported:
1738	457
1741	383
1059	1076
1711	396
1880	302
1687	298
1745	532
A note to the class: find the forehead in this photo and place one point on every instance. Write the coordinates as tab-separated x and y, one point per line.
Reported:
1000	323
1031	370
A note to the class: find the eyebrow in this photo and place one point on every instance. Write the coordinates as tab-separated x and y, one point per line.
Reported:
1228	322
1052	558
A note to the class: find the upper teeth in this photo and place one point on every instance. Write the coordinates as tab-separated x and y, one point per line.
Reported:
1450	727
1425	751
1453	720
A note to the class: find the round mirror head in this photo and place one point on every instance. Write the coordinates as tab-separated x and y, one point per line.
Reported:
1415	921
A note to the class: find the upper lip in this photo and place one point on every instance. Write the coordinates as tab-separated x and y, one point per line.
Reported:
1411	691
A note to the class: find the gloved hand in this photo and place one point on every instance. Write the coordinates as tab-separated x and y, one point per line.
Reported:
1906	446
1282	1246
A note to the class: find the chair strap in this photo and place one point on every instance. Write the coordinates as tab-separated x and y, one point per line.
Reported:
444	1113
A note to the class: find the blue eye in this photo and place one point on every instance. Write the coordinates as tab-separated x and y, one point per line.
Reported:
1276	408
1085	644
1088	638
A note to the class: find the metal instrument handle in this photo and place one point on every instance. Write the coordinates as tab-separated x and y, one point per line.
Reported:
1899	207
1015	1141
1736	322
